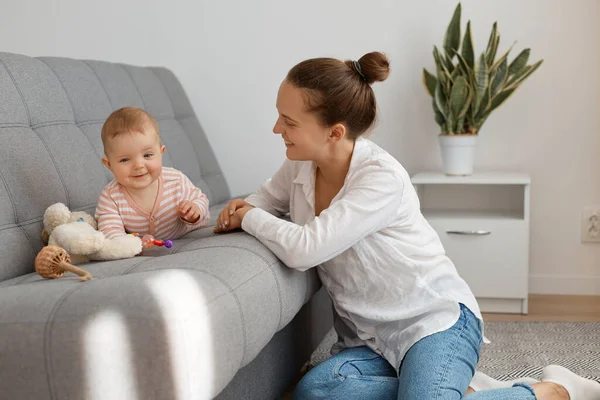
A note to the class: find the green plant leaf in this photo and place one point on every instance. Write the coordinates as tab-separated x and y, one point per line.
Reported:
440	68
448	62
449	77
499	78
484	105
439	118
430	82
467	71
512	79
457	72
440	100
459	126
459	96
502	58
500	98
443	75
441	65
463	112
518	78
452	36
458	104
481	120
464	94
482	77
493	54
437	59
492	47
450	125
519	62
462	117
467	47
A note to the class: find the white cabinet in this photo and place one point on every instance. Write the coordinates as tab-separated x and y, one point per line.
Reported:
483	222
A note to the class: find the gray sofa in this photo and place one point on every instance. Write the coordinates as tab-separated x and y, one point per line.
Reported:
215	316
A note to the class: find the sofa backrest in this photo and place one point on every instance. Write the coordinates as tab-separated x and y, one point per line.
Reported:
51	114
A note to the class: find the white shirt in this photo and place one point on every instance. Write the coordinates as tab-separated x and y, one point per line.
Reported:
381	262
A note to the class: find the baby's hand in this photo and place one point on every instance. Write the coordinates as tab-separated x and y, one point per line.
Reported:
188	211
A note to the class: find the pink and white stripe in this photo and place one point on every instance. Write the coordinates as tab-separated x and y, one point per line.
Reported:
117	213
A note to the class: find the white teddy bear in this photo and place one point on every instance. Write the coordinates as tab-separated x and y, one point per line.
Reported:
77	233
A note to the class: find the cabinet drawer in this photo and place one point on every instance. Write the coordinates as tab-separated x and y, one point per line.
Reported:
491	255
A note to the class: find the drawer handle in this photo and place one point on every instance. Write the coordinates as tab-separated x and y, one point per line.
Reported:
473	233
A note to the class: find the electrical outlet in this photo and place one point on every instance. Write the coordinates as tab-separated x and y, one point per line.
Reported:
590	224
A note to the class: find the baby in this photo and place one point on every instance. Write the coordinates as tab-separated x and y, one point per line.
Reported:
144	197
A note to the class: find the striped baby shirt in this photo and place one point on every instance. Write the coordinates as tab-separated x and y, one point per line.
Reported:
117	214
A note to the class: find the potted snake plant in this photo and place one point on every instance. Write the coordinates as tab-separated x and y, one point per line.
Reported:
465	90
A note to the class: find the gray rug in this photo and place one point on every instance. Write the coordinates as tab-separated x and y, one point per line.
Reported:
523	348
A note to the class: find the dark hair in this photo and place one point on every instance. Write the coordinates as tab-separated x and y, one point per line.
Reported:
340	91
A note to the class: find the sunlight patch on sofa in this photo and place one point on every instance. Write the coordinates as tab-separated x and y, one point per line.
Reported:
184	308
108	357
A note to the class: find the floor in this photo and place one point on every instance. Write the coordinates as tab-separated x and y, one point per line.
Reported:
559	308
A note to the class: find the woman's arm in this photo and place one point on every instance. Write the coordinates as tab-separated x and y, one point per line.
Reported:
273	196
370	203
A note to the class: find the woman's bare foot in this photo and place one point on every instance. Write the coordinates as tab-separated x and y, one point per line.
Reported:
577	387
550	391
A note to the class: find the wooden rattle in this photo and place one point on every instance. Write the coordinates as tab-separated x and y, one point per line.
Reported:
53	262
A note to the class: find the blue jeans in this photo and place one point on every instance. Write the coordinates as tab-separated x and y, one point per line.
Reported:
437	367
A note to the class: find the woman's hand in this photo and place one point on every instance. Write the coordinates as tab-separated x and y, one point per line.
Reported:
232	215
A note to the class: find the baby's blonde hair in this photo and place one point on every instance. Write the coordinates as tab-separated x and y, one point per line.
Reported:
127	120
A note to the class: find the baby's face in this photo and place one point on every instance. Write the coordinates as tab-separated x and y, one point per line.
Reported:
135	159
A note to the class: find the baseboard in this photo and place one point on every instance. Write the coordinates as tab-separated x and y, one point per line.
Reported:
503	306
564	284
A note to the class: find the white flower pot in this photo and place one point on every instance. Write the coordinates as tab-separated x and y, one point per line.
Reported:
458	153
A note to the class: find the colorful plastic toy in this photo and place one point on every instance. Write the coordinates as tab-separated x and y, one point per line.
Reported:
149	241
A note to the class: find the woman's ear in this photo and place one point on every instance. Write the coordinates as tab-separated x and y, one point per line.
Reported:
338	132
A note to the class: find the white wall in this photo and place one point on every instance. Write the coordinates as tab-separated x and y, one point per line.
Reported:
232	55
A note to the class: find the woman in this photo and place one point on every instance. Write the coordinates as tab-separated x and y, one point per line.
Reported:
408	325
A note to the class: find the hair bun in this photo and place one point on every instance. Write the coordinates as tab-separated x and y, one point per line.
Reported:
374	66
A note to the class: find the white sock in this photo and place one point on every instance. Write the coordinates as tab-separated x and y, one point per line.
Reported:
579	388
482	381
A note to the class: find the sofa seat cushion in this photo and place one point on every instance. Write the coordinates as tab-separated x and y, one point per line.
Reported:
185	319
